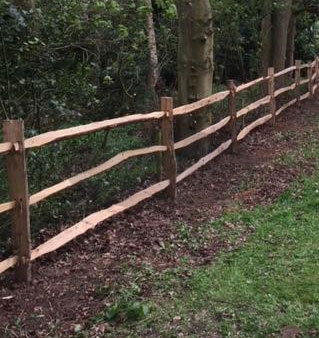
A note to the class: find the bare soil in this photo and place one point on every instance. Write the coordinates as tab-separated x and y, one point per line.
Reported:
64	288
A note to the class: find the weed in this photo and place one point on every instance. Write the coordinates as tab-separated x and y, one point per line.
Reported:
126	307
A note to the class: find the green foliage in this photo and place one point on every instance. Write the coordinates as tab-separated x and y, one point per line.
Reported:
237	42
307	39
126	308
168	7
126	311
87	56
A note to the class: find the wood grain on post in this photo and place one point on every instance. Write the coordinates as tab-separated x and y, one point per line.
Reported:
13	131
167	132
232	113
297	79
271	93
310	83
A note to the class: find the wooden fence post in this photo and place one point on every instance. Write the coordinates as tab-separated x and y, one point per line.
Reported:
310	83
13	131
169	158
297	79
232	114
271	93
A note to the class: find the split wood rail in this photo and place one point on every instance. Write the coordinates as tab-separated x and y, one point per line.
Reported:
14	148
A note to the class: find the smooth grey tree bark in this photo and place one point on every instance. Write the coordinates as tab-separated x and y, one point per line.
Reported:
195	65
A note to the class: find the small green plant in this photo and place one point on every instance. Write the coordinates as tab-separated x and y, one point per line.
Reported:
183	232
125	311
126	306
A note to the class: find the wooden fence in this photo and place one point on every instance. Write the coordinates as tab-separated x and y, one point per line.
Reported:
14	148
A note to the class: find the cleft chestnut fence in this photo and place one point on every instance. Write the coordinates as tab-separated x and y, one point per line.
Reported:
14	148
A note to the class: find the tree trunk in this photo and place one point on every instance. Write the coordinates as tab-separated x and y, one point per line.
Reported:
266	41
151	101
280	34
153	75
290	57
274	35
195	65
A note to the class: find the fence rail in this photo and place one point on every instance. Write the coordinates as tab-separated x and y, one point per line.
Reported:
14	149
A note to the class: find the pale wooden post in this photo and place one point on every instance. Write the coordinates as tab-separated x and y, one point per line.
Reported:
310	83
169	158
13	131
232	114
297	79
271	93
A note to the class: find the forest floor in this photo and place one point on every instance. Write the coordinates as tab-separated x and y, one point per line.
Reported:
111	281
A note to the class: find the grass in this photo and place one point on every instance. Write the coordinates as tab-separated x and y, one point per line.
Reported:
258	290
272	281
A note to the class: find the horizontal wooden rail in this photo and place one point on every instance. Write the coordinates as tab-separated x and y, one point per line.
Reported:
285	71
189	108
114	161
203	161
7	206
5	147
250	84
314	76
64	134
253	125
303	66
111	163
302	82
304	97
8	263
253	106
285	89
202	134
285	106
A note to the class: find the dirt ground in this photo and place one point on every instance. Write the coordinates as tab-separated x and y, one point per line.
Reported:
63	291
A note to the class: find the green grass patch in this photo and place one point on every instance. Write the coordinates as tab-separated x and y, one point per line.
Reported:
272	281
257	290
